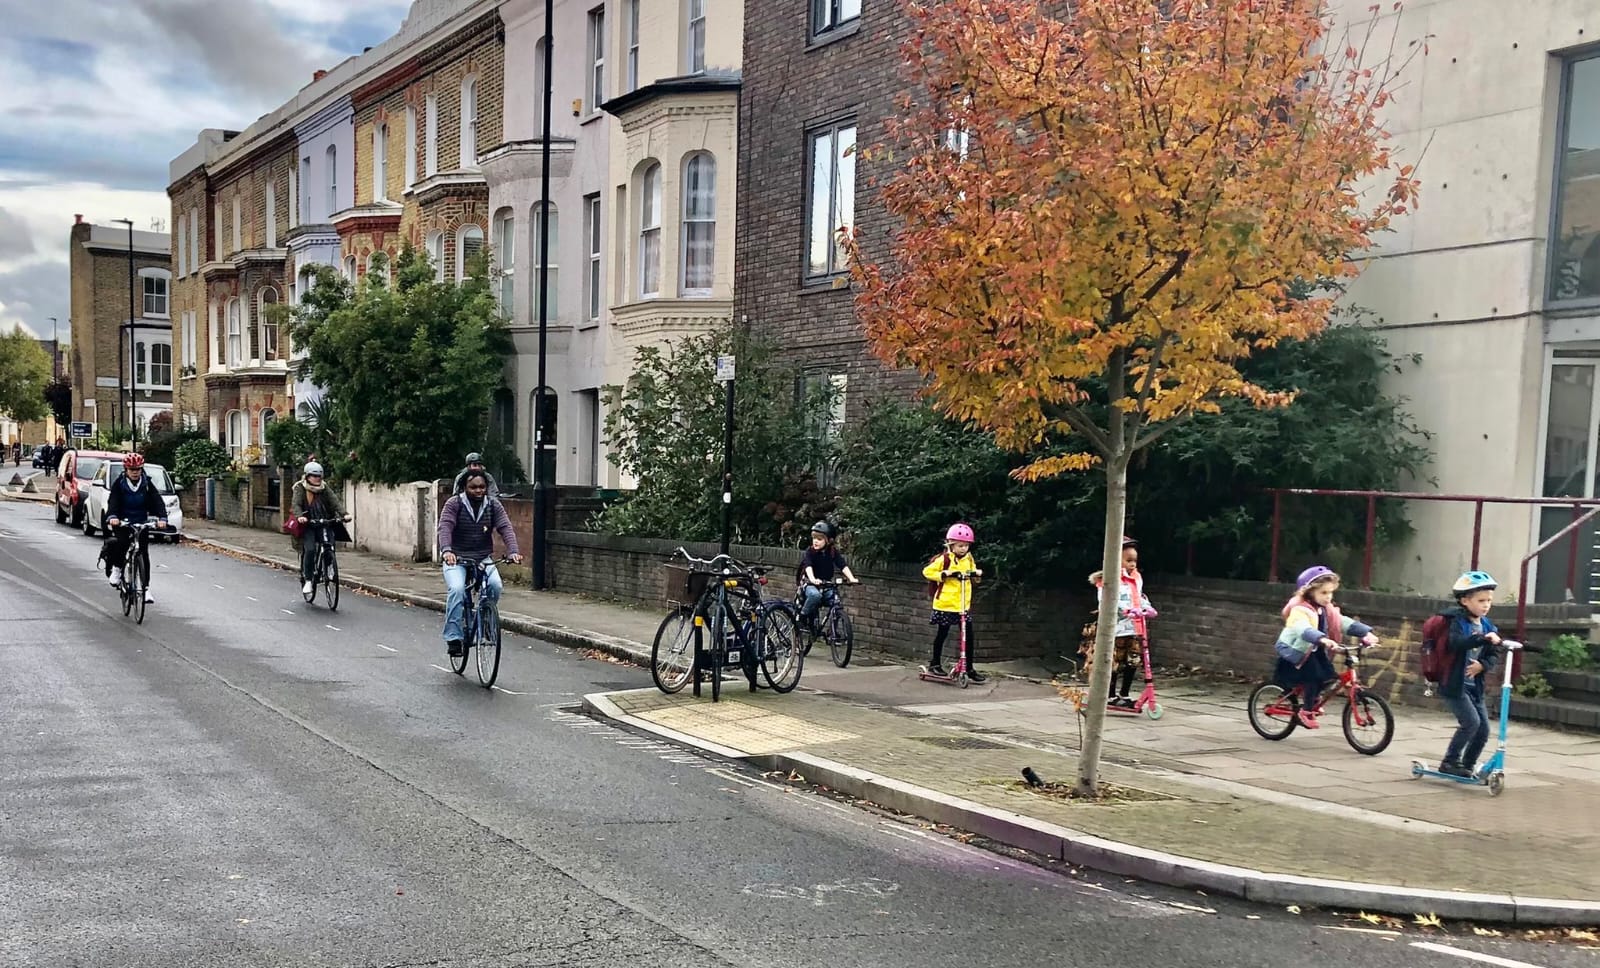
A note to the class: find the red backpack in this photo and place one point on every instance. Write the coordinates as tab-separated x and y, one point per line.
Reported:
934	584
1436	655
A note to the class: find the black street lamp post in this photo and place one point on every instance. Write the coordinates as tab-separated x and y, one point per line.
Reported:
541	485
132	372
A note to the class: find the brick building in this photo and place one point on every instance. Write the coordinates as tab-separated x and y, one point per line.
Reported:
819	78
122	368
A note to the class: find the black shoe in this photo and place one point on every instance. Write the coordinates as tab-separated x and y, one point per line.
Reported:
935	669
455	646
973	675
1454	769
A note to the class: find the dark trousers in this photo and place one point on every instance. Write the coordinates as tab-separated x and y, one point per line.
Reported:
118	540
1472	731
310	547
1312	675
944	633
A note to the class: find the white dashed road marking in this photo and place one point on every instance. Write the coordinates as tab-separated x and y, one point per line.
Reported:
1445	949
285	611
334	627
382	646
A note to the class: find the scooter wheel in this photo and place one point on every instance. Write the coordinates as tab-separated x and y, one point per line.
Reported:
1154	710
1497	783
963	681
1417	769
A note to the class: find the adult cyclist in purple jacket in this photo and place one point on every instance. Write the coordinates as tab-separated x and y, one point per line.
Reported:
467	527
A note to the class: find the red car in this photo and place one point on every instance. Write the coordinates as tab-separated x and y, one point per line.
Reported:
77	468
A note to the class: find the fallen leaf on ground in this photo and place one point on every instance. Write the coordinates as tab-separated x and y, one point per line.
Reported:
1428	921
1487	933
1293	909
1370	918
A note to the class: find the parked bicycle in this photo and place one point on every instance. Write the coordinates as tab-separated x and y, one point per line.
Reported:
720	622
480	624
1368	724
136	569
831	623
325	572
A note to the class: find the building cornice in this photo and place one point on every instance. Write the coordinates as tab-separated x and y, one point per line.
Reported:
373	215
462	181
692	84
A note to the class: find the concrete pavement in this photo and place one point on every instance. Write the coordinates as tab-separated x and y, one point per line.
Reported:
1207	803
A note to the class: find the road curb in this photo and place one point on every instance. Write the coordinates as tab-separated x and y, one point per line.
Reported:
619	648
1086	850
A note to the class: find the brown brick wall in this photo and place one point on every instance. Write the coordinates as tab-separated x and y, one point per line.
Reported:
189	295
790	86
99	300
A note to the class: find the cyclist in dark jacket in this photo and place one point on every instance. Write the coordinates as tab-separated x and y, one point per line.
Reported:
131	499
311	499
467	526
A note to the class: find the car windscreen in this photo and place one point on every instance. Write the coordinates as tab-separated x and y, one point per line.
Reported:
88	466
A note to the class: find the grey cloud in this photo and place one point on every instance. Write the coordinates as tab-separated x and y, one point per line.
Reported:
16	239
35	293
244	48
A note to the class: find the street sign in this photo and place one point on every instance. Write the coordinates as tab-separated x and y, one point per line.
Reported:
80	428
724	369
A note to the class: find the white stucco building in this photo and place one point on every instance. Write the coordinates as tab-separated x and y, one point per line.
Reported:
1495	279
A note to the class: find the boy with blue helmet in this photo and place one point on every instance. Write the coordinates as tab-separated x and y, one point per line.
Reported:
1472	647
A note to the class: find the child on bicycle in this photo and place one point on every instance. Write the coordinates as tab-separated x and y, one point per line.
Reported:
1472	648
950	597
1134	612
817	568
1312	626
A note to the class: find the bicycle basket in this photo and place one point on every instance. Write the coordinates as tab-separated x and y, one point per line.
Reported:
684	586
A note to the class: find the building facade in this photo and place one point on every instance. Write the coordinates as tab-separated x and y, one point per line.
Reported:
121	357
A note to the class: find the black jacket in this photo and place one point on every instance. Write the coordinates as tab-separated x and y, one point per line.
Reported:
135	506
1461	641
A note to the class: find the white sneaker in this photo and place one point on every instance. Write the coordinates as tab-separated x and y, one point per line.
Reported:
116	577
306	588
148	598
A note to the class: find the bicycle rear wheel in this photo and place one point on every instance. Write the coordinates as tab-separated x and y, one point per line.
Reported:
1368	725
141	568
841	637
672	652
1274	711
330	582
777	643
488	644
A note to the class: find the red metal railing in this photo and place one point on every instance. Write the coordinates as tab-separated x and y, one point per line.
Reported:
1477	500
1527	560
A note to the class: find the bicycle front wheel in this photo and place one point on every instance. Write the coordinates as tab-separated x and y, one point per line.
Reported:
1368	725
672	652
458	663
777	642
841	638
140	570
488	644
330	583
717	650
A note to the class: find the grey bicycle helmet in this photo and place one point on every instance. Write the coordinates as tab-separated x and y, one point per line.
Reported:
474	458
313	469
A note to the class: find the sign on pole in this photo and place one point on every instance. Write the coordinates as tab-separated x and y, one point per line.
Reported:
80	428
724	369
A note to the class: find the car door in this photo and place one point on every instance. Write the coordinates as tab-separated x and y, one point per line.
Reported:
99	494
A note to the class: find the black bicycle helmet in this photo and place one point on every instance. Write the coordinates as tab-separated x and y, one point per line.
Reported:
825	529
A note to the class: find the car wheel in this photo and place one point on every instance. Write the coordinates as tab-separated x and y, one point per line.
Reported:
88	528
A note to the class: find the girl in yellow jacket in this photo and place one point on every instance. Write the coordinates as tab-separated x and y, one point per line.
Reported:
952	597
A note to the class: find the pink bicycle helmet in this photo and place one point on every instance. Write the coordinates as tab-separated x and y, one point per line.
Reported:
960	532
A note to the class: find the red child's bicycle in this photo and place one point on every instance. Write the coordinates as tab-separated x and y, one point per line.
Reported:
1368	724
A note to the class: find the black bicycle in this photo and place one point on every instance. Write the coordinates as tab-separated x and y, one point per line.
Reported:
720	621
325	570
480	624
135	569
831	622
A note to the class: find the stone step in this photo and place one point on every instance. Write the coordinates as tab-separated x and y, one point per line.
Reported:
1578	686
1560	712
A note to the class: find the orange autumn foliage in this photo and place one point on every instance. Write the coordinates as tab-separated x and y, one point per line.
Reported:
1120	195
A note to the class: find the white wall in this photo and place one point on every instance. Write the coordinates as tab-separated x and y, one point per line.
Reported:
399	521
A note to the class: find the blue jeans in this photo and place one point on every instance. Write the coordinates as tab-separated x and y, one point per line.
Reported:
813	601
1468	742
455	585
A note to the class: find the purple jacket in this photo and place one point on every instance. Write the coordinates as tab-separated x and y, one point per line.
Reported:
468	535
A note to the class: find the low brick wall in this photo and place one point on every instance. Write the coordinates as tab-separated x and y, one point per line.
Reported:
890	609
233	503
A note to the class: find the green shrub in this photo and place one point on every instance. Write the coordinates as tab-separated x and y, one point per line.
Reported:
162	447
1533	686
1565	653
290	441
199	459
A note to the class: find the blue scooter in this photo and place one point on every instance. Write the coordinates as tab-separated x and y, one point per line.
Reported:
1492	773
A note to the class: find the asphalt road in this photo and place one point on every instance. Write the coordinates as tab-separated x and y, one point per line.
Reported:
245	780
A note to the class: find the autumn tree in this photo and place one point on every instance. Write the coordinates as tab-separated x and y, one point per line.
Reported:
1099	214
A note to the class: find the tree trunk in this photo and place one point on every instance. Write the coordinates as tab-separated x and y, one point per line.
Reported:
1106	630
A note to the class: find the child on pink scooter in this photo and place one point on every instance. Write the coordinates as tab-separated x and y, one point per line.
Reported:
1134	612
952	599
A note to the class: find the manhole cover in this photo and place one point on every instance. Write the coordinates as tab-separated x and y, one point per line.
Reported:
959	743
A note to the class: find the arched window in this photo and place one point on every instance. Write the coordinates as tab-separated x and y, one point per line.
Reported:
650	233
236	433
536	222
350	267
541	64
235	331
699	224
380	162
469	123
268	415
378	266
302	412
266	310
469	242
435	246
505	257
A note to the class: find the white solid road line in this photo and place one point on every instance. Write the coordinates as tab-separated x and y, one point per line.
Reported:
253	599
334	627
382	646
508	691
285	611
1445	949
441	669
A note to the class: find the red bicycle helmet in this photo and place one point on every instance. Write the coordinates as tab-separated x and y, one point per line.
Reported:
132	462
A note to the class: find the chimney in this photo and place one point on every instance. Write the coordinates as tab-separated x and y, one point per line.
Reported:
77	219
318	75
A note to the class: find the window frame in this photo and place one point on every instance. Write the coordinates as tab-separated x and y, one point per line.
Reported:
164	280
464	232
263	327
695	53
270	221
158	365
650	202
380	162
597	59
632	63
1556	260
593	222
505	255
828	16
433	242
831	132
331	158
235	332
685	221
430	134
536	216
411	146
469	122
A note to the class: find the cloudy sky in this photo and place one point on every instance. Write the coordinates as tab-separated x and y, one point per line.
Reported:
98	96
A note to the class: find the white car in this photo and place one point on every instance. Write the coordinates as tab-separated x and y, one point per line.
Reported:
94	515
